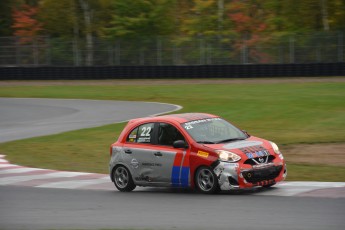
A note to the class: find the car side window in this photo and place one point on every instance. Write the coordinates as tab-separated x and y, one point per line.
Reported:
141	134
167	134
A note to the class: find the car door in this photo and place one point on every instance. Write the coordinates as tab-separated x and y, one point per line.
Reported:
139	155
174	162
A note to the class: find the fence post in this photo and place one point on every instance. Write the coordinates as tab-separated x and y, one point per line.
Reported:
111	55
175	55
244	52
159	50
48	51
75	52
118	52
141	56
341	47
292	49
35	51
208	56
201	50
17	51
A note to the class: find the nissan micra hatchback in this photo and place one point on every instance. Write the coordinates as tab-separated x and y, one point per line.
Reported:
196	150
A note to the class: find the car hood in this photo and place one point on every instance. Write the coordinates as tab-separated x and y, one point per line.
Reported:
252	144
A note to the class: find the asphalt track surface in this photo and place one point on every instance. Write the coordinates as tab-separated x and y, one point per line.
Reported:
28	117
49	207
38	208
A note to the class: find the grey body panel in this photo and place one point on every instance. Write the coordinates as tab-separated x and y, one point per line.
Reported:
148	167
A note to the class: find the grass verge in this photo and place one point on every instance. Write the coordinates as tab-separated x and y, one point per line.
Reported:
289	114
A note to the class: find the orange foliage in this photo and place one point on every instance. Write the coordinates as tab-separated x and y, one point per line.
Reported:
25	25
248	20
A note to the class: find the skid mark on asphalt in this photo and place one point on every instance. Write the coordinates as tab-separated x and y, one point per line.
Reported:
11	174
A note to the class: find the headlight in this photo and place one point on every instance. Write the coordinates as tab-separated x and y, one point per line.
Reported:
228	156
275	148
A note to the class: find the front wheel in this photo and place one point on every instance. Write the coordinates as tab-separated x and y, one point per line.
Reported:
122	179
206	180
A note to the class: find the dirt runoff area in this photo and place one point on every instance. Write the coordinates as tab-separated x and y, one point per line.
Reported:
332	154
326	154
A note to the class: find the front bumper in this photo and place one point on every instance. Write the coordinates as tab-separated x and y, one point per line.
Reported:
235	176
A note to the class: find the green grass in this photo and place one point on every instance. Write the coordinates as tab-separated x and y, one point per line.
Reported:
285	113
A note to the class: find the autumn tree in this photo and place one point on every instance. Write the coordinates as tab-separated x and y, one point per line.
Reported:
25	25
249	23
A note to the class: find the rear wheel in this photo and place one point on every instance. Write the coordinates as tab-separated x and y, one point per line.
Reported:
123	179
206	180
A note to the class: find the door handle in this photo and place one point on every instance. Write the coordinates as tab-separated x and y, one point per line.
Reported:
158	154
128	151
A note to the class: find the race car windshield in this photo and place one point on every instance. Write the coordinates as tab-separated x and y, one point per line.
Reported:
213	131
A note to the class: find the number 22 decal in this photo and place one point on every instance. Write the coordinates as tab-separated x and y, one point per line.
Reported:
145	131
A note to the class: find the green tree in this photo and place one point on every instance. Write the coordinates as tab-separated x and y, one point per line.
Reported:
208	18
336	12
76	19
306	15
141	18
6	20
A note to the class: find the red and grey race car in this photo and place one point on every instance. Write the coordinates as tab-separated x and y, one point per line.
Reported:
196	150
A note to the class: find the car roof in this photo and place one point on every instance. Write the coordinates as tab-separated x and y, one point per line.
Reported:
179	118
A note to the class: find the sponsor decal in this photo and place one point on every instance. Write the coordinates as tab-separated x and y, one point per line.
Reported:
189	125
143	178
202	154
263	166
144	140
151	164
255	151
134	163
231	165
265	182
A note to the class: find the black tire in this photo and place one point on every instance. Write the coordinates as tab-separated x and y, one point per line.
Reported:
123	179
206	180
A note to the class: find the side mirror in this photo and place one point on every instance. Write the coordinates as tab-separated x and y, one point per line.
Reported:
180	144
245	132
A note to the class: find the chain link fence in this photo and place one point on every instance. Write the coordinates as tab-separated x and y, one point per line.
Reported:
323	47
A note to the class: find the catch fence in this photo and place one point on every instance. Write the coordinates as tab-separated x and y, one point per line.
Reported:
322	47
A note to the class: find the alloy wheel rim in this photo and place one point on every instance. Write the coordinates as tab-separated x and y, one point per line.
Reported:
121	177
205	180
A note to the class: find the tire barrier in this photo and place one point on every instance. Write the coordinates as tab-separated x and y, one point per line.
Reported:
174	72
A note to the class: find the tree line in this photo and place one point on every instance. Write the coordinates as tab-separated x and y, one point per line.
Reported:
123	18
236	23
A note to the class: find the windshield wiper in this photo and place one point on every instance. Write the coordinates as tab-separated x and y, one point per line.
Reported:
230	139
205	142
